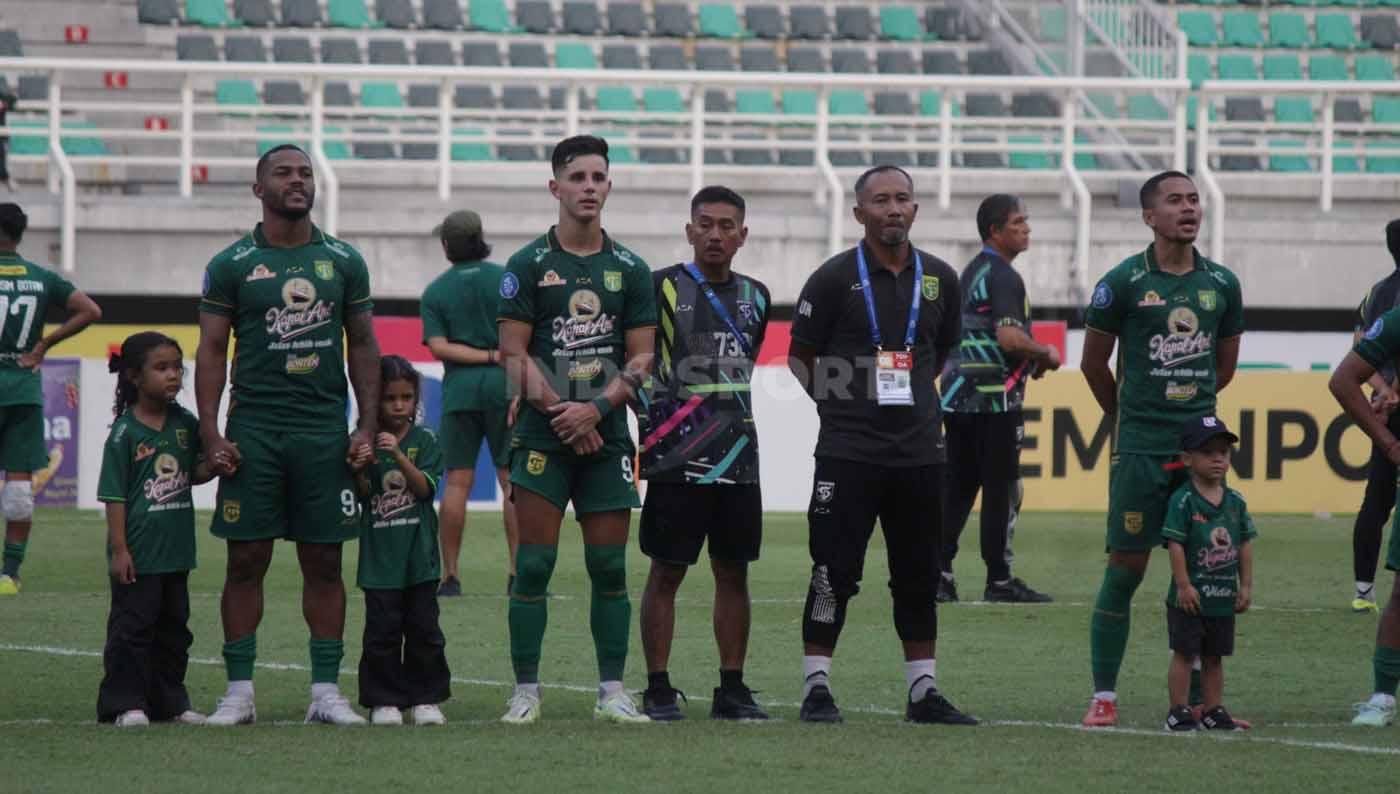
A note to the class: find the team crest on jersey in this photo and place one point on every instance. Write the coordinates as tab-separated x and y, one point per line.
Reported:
13	270
612	280
825	490
551	279
144	451
325	269
930	288
1132	523
534	464
1207	299
1375	330
260	272
182	437
169	481
587	323
1152	299
510	286
394	498
746	311
301	311
1103	296
232	511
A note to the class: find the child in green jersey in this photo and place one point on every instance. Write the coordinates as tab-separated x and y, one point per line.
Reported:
404	663
151	458
1208	533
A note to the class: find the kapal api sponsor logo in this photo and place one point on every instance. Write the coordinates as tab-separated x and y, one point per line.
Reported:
300	313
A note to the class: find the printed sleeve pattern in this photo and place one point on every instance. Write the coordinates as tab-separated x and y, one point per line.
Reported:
1174	526
1008	298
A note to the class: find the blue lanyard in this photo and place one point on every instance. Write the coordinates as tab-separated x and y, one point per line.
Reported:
875	335
718	306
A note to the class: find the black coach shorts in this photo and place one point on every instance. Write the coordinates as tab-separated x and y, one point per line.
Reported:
987	445
1200	635
677	517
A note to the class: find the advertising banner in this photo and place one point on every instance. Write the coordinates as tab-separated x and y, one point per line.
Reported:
56	485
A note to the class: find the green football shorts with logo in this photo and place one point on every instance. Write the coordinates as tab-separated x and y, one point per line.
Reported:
463	431
1139	487
295	486
597	483
22	438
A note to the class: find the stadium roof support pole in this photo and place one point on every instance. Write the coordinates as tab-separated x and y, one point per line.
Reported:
1329	118
571	110
697	140
55	126
318	154
187	137
444	152
1215	197
834	199
68	224
945	150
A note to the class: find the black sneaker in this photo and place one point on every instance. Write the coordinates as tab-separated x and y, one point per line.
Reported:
1180	719
661	706
819	706
1218	719
736	704
934	709
947	590
1014	591
449	588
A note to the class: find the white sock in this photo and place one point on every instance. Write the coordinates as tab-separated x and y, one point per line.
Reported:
1196	665
528	689
1383	700
240	689
919	675
816	671
948	575
319	691
1365	590
607	689
1109	695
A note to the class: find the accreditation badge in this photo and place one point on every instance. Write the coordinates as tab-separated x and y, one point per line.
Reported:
894	377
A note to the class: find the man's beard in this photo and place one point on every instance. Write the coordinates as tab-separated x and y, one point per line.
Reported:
286	213
893	236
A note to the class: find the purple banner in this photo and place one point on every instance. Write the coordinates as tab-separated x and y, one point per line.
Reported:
56	485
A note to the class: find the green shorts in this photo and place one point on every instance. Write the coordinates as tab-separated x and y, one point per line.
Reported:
1139	487
295	486
598	483
22	438
462	434
1392	551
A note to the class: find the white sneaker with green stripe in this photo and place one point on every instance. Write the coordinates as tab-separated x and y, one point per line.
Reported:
523	708
618	707
1377	712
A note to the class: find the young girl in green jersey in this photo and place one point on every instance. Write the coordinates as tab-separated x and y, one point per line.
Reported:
149	462
404	663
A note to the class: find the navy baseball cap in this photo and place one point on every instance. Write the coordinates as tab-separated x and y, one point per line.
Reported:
1198	432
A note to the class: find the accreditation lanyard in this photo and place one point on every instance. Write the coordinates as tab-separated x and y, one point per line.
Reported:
894	369
718	306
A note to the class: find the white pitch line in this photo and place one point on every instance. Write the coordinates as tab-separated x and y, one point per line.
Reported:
868	709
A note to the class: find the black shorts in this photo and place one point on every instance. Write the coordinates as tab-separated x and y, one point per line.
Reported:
1200	635
987	445
677	517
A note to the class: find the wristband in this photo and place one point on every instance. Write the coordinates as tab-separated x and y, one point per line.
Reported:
603	404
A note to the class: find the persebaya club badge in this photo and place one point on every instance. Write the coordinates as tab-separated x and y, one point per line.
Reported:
1207	298
534	464
325	270
232	511
612	280
930	288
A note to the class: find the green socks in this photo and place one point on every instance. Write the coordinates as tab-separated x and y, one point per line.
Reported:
14	555
611	611
325	660
1387	668
1108	628
529	611
239	656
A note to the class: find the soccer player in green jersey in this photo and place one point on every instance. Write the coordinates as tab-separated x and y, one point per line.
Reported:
295	299
1378	349
459	327
577	317
27	292
1176	318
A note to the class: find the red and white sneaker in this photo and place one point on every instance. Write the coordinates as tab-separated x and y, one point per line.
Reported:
1101	714
1240	724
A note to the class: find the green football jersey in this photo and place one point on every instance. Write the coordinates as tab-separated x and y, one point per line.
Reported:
150	472
288	307
1212	536
27	292
460	306
1167	327
580	307
1380	344
399	545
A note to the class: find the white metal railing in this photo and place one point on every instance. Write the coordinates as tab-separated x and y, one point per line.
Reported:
206	133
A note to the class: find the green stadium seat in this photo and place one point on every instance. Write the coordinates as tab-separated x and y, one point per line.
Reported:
1374	68
621	153
1198	68
1112	24
491	16
1287	163
1145	107
464	151
81	145
1288	30
380	95
663	99
1193	105
1327	67
1199	27
1150	64
1345	163
1052	23
929	102
848	102
349	14
574	55
1335	31
276	135
37	143
1385	110
236	92
616	99
1105	104
1241	29
720	21
210	14
900	23
799	102
1284	66
1085	161
1293	110
1030	160
754	100
1237	67
1375	163
1295	2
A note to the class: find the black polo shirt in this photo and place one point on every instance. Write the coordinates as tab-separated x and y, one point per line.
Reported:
831	317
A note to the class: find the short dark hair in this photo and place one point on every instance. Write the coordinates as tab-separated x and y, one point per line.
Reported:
281	147
1392	240
880	169
1147	197
467	249
995	211
717	194
570	149
13	221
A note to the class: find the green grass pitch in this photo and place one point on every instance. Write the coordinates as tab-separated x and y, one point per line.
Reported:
1302	659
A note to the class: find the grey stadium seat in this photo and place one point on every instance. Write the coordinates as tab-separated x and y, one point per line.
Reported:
340	51
987	62
389	52
1244	109
894	103
982	159
521	97
433	52
1102	64
301	13
9	44
850	61
672	19
582	18
337	94
244	49
661	155
481	53
422	95
517	152
1380	30
33	87
941	62
535	16
984	105
621	56
419	150
805	59
557	99
895	157
714	59
667	57
254	13
284	92
758	59
808	22
396	14
195	47
157	12
373	150
473	97
854	22
716	157
528	54
895	62
1239	162
765	22
752	156
442	15
1344	111
717	101
292	49
627	19
1034	105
